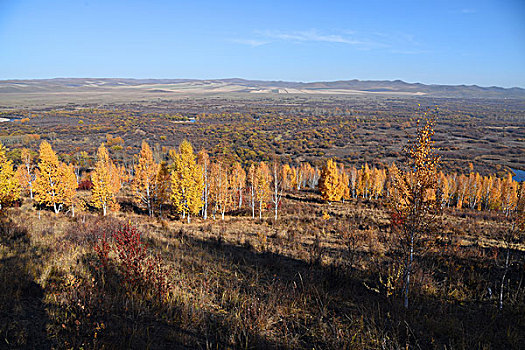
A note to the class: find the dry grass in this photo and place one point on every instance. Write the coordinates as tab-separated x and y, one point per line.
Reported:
300	282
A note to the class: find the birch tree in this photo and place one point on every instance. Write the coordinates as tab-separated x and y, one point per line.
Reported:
56	184
187	181
204	162
238	176
9	185
26	172
413	209
106	182
145	176
262	185
277	185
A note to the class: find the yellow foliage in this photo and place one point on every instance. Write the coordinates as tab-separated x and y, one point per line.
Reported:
143	184
220	190
417	186
25	173
238	181
56	183
330	183
106	182
204	162
9	185
187	183
262	185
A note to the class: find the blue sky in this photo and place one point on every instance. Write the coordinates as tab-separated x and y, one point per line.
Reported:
441	42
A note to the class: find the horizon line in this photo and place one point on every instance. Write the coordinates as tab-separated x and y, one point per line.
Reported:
272	80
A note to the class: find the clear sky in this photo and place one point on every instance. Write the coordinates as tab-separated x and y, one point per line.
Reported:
442	42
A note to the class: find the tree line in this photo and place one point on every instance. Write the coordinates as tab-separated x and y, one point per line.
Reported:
193	184
455	190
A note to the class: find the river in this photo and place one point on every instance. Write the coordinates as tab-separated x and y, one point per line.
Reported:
520	175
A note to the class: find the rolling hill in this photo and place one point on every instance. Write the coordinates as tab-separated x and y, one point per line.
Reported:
221	86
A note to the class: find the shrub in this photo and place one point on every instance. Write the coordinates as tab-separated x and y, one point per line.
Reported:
90	229
142	272
85	185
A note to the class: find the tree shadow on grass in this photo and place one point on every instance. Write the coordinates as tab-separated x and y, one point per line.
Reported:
125	318
305	199
339	292
282	282
23	316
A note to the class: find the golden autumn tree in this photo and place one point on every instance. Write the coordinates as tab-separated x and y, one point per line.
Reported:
143	183
9	185
451	186
251	186
378	182
238	178
161	187
25	172
294	178
488	182
203	159
287	176
345	183
461	190
304	173
277	185
262	185
508	194
474	190
220	189
187	183
364	181
106	182
68	190
495	194
391	176
55	185
413	209
123	174
330	183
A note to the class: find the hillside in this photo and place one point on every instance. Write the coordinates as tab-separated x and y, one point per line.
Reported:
221	86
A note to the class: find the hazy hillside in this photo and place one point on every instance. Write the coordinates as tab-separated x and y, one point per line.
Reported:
192	86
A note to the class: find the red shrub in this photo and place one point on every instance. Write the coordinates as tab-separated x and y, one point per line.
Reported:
85	185
141	270
102	248
397	220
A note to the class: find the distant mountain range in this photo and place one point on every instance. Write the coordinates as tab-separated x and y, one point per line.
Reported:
193	86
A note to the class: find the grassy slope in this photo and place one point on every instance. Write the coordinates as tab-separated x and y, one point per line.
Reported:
302	282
